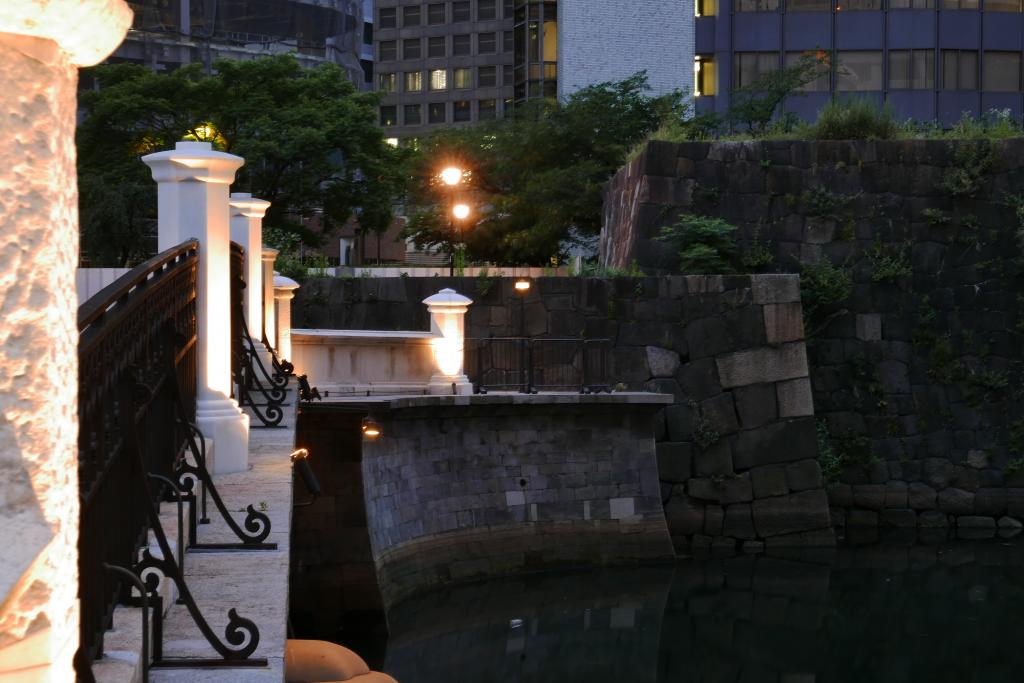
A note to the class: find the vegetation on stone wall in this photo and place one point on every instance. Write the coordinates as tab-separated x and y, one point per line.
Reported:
704	244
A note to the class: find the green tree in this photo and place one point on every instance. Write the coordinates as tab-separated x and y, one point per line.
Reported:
753	106
309	138
538	177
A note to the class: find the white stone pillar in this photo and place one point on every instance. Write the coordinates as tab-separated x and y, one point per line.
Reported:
448	323
41	46
247	229
284	292
194	180
269	320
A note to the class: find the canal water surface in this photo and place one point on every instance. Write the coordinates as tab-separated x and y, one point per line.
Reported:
878	613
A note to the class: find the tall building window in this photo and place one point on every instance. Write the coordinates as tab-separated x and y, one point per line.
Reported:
486	43
461	11
959	70
462	45
1002	72
439	79
1002	5
809	5
411	48
705	76
413	115
708	8
435	13
855	5
962	4
911	4
506	74
486	110
411	15
758	6
389	115
388	17
462	78
387	82
413	81
507	8
911	69
462	111
437	112
486	76
486	10
821	81
387	51
508	41
750	66
859	71
435	46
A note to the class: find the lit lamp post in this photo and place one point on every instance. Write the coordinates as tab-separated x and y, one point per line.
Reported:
460	212
522	288
452	178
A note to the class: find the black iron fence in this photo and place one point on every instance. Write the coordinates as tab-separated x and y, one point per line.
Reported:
538	364
136	356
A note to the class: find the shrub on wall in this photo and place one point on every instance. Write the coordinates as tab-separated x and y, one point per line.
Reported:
705	245
823	287
853	119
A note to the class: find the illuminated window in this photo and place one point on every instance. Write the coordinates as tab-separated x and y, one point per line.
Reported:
387	82
704	76
706	8
462	78
413	81
1000	6
439	79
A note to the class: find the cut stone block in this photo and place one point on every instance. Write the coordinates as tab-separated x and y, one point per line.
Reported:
662	362
783	323
869	327
775	289
805	511
755	366
795	398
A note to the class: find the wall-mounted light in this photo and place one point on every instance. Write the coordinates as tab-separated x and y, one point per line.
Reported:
522	285
392	141
300	463
696	76
371	430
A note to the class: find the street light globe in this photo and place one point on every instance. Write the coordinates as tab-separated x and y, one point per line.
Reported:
522	285
451	175
460	211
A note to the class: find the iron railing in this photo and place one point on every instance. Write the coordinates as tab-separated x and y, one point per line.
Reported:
538	364
139	329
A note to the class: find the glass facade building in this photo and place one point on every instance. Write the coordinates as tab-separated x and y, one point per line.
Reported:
929	59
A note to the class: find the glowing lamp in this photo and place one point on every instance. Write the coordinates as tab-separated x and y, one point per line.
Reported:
451	176
522	286
371	430
460	211
447	323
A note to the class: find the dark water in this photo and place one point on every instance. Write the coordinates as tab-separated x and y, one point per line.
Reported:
883	613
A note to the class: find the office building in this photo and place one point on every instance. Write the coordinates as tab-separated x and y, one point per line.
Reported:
166	34
930	59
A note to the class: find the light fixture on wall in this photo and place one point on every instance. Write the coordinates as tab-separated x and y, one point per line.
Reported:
300	463
371	430
522	285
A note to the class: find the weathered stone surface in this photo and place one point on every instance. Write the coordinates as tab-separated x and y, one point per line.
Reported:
973	527
1015	502
708	337
840	495
699	379
775	443
896	495
869	327
720	413
756	405
755	366
990	501
714	516
796	512
675	461
1009	523
932	519
703	489
629	364
795	398
901	519
977	459
684	515
739	522
862	519
871	496
938	472
737	489
956	501
679	422
783	323
921	496
769	481
804	475
775	289
715	461
662	362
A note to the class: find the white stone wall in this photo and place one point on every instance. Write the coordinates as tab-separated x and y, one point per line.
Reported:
608	40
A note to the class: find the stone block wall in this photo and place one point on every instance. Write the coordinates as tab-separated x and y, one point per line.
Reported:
916	373
464	487
737	448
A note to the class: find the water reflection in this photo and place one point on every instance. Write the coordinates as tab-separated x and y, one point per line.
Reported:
871	614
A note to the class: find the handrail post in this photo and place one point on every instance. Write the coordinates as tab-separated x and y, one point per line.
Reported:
247	214
193	182
269	318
